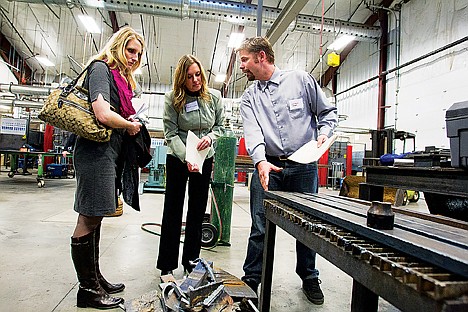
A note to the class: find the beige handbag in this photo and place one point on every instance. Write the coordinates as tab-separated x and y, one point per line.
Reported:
68	108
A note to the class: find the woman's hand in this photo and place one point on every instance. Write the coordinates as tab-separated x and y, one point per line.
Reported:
192	167
134	127
204	143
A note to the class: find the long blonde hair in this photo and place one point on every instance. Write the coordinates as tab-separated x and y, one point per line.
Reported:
180	76
113	53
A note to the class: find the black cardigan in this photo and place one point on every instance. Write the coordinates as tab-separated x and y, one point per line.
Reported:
135	154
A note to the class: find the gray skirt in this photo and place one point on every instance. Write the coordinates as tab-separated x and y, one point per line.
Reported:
96	173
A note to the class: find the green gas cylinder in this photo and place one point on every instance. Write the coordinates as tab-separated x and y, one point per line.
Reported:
223	186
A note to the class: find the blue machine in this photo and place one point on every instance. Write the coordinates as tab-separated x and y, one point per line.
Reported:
157	171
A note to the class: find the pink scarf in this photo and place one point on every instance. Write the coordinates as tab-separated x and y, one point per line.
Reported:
125	94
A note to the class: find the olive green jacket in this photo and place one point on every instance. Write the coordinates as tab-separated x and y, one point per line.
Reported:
208	119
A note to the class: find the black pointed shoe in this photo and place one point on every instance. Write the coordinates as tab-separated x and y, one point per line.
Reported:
109	287
166	272
97	299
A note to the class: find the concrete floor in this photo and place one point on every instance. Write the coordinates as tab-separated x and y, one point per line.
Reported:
36	271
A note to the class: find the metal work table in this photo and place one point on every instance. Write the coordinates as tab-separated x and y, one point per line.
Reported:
244	163
40	169
420	265
446	181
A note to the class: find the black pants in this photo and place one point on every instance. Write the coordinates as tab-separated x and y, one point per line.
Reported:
177	175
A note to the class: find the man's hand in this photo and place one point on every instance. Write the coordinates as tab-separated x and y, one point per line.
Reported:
321	138
264	168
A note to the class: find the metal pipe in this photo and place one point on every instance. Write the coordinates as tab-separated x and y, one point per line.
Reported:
6	109
20	103
25	89
397	54
221	11
448	46
382	68
259	18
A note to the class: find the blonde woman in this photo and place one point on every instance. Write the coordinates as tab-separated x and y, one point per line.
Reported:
110	83
190	106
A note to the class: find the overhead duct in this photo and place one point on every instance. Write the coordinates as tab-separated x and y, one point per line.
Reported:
222	11
6	109
25	89
20	103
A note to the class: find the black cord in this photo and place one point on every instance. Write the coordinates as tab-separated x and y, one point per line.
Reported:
149	231
143	227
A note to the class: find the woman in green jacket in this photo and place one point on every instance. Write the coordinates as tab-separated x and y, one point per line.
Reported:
190	106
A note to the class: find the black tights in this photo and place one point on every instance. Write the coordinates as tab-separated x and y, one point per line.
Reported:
86	225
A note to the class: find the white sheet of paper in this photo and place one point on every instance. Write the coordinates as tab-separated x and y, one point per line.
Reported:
309	152
192	155
143	108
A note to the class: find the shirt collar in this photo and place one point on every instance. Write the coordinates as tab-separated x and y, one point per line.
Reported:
274	79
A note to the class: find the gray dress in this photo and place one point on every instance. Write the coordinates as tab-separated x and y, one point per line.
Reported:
96	163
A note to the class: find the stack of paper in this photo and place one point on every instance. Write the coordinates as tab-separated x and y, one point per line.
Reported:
309	152
192	155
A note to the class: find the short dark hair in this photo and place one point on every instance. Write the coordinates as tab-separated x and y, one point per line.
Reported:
257	44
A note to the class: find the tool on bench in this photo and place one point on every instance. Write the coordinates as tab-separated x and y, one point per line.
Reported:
380	216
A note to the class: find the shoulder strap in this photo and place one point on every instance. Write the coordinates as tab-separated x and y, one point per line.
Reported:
73	83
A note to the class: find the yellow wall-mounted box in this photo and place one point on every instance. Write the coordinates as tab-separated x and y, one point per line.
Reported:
333	59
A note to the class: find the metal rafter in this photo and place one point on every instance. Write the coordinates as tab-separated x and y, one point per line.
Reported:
286	17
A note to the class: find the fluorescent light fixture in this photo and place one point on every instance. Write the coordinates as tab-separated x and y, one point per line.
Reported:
235	39
138	71
220	77
95	3
341	42
44	61
90	24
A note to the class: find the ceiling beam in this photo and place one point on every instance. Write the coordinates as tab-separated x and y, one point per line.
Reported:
282	22
114	22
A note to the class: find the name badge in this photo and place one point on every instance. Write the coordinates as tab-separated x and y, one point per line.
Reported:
296	104
192	106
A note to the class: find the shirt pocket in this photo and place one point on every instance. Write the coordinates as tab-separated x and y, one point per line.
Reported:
296	107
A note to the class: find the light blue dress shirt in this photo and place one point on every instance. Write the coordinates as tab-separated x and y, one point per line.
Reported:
284	113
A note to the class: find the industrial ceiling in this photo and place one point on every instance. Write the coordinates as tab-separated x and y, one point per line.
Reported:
300	30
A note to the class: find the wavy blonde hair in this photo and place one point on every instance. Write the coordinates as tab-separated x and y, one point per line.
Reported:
113	53
180	76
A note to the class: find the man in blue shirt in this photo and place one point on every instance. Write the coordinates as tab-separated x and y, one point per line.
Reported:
281	110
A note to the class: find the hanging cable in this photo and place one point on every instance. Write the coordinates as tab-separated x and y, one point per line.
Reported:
321	35
214	53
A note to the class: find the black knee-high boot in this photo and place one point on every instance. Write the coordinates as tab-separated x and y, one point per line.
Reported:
108	287
90	292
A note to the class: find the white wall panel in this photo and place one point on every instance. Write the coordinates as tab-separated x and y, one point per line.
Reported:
359	104
427	88
155	101
6	76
